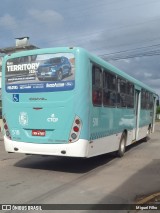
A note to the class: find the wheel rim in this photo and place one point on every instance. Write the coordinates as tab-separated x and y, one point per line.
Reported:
122	146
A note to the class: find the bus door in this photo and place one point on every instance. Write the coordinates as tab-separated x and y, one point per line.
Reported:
137	114
153	113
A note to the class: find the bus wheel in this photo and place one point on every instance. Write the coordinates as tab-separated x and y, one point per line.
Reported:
122	145
148	133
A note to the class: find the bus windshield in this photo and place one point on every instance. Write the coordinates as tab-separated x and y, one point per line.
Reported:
40	73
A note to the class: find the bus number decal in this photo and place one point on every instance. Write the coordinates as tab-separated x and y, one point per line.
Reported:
15	132
95	122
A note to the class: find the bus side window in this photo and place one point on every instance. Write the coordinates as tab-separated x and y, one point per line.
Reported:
109	89
145	100
130	95
121	92
96	86
151	101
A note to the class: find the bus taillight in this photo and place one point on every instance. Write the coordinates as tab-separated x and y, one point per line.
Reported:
4	120
76	128
77	121
6	128
75	131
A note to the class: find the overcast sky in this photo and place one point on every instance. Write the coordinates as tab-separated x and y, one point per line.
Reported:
130	27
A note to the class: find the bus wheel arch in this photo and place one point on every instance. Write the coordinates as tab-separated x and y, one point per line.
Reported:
122	144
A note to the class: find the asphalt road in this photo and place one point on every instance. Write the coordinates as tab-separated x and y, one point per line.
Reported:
99	180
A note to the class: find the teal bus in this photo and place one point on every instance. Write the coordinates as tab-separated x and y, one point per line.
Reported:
67	102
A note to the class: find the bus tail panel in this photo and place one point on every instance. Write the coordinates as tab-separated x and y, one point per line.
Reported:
40	125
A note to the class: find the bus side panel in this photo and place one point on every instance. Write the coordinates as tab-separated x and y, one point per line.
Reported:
107	126
81	97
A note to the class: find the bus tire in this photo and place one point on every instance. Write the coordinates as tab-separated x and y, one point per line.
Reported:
146	139
122	145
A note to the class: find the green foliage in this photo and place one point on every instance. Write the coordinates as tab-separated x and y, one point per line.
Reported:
158	110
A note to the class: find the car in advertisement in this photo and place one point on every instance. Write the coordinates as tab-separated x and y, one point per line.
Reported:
54	68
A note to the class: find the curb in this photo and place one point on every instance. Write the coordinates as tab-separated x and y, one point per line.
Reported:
148	198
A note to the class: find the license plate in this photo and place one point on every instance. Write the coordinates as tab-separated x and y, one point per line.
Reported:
43	73
36	132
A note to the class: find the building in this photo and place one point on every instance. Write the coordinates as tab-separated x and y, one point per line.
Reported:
21	44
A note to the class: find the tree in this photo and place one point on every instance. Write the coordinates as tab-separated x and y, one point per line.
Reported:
158	110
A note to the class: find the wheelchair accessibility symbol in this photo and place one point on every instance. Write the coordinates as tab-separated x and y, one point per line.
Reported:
15	98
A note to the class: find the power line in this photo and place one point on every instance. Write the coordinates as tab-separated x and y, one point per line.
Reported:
132	53
129	50
133	56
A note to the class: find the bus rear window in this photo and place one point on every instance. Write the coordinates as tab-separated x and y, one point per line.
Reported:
40	73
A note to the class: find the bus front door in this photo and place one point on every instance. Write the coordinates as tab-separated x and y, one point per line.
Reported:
137	114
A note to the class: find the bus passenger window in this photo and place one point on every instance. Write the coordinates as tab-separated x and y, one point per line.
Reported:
151	101
109	89
96	86
121	93
130	95
145	99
